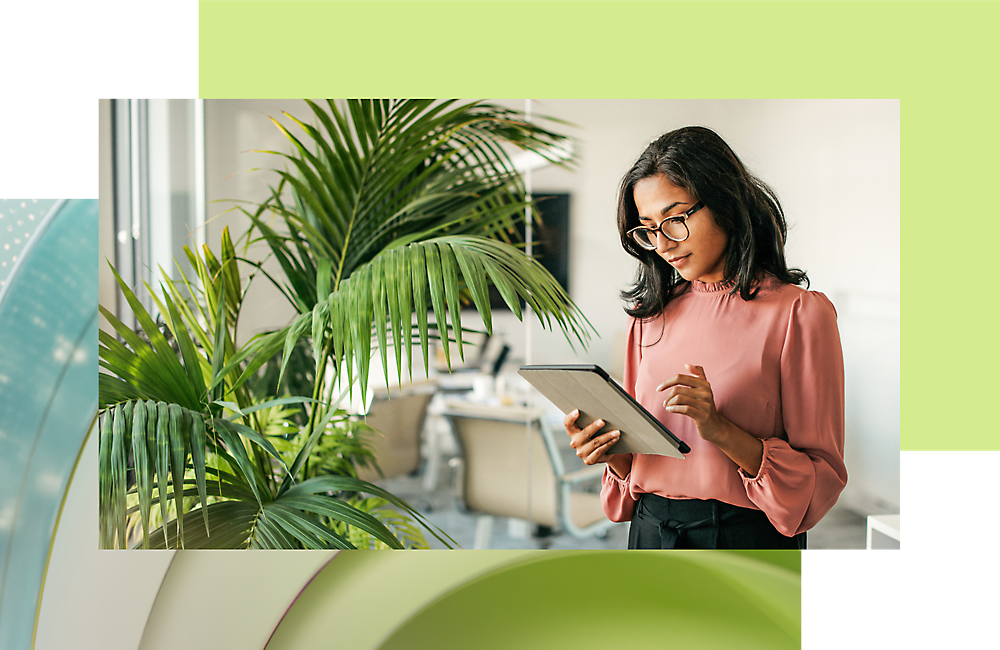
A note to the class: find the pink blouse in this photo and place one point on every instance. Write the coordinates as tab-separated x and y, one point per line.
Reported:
777	371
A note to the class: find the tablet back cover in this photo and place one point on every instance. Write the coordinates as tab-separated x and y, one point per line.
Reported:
589	389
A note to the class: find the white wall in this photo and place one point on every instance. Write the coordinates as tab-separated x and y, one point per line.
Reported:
235	132
833	163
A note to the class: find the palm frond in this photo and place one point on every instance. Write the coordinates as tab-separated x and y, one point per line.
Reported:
402	526
163	440
418	169
400	207
150	369
440	270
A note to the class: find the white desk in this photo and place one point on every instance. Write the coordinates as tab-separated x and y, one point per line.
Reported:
883	532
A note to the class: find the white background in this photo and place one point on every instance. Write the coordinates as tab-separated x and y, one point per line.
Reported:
58	58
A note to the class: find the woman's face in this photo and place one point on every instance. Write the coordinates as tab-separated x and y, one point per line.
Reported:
702	255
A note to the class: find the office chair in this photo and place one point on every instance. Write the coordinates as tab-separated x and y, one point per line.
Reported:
398	416
494	467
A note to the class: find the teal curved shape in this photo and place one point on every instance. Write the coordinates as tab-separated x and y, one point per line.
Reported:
48	398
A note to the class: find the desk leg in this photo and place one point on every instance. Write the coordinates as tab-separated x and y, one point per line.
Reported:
484	531
433	453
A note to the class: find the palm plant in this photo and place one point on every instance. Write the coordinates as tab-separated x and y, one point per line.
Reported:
389	210
397	204
187	441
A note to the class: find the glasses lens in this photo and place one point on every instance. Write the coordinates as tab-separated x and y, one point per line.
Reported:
645	238
675	229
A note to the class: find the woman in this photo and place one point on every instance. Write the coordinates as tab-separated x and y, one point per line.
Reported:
729	353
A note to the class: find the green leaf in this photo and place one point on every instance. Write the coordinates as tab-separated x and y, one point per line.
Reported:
192	361
232	523
406	306
271	403
119	450
298	328
436	281
231	270
178	432
419	274
379	298
105	487
143	467
199	443
113	390
450	273
322	484
345	512
174	376
227	434
190	319
320	322
219	347
305	529
232	406
300	283
251	435
390	269
260	349
402	526
163	459
307	447
141	367
269	534
475	278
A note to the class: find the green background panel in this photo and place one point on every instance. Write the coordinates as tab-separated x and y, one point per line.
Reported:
548	599
602	599
938	58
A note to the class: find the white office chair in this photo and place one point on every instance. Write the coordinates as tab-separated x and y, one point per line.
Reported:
495	466
398	416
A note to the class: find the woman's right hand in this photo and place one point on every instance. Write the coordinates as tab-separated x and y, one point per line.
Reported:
592	447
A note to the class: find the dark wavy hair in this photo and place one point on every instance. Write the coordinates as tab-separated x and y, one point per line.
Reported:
746	209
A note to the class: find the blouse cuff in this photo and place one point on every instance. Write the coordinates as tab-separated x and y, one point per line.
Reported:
765	465
622	482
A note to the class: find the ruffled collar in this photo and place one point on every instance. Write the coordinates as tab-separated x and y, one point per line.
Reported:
711	287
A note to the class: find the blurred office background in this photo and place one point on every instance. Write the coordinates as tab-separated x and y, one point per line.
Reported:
170	167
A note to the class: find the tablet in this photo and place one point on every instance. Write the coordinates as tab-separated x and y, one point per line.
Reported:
598	396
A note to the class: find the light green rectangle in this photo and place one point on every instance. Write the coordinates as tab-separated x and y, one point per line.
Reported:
938	58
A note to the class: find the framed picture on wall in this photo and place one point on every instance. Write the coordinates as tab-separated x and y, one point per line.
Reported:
550	240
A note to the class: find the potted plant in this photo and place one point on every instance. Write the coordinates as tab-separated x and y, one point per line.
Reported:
389	210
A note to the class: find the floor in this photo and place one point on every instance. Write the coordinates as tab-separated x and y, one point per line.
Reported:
840	529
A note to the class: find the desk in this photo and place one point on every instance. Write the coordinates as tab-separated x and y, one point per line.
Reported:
883	532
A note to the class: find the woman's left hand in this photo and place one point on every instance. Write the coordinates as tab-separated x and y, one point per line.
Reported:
691	395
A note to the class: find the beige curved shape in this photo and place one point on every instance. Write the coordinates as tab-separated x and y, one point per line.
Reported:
227	599
362	596
94	598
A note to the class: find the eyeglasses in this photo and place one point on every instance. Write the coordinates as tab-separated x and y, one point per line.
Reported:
673	228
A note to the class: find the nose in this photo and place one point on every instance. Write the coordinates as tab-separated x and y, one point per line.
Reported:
663	243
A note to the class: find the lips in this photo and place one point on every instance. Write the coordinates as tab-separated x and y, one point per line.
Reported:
677	260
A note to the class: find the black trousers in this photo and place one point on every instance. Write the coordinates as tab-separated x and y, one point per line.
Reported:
694	523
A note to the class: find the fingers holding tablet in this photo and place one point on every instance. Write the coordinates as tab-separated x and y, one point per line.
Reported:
590	445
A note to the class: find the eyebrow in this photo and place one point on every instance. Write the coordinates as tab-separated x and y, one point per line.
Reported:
664	211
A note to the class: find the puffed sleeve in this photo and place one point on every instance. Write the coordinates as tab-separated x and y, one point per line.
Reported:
800	480
616	499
